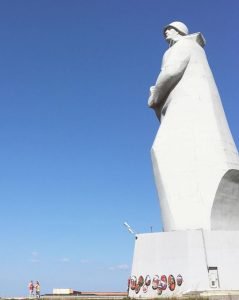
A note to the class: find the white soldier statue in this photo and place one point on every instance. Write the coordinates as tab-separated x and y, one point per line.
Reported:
195	160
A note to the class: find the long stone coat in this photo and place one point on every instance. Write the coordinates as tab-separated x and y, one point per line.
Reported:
195	160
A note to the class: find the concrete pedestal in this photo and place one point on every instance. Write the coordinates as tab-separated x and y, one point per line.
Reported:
181	262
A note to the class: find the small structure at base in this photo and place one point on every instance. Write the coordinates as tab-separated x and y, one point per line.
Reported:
58	291
183	262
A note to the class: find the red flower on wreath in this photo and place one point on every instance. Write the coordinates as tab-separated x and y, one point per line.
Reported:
171	282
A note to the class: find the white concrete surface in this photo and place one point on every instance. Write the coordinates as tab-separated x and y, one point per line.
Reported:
195	160
188	253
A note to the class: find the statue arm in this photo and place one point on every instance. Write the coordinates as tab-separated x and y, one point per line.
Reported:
172	71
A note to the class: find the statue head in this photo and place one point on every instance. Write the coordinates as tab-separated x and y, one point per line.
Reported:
174	31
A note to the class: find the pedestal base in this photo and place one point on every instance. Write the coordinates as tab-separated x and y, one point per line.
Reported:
181	262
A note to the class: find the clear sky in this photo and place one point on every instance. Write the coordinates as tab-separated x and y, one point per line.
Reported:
76	132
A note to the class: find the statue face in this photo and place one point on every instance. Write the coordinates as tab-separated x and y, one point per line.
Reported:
171	34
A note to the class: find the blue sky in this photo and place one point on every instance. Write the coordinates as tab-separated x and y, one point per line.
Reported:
76	132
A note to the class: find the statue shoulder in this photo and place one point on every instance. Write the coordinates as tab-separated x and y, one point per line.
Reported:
185	47
186	43
181	48
195	39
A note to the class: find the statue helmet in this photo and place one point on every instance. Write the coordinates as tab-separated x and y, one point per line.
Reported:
179	26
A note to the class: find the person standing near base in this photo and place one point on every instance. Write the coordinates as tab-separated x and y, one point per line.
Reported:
31	288
38	289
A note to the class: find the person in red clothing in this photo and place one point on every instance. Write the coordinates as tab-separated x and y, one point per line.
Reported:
31	288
